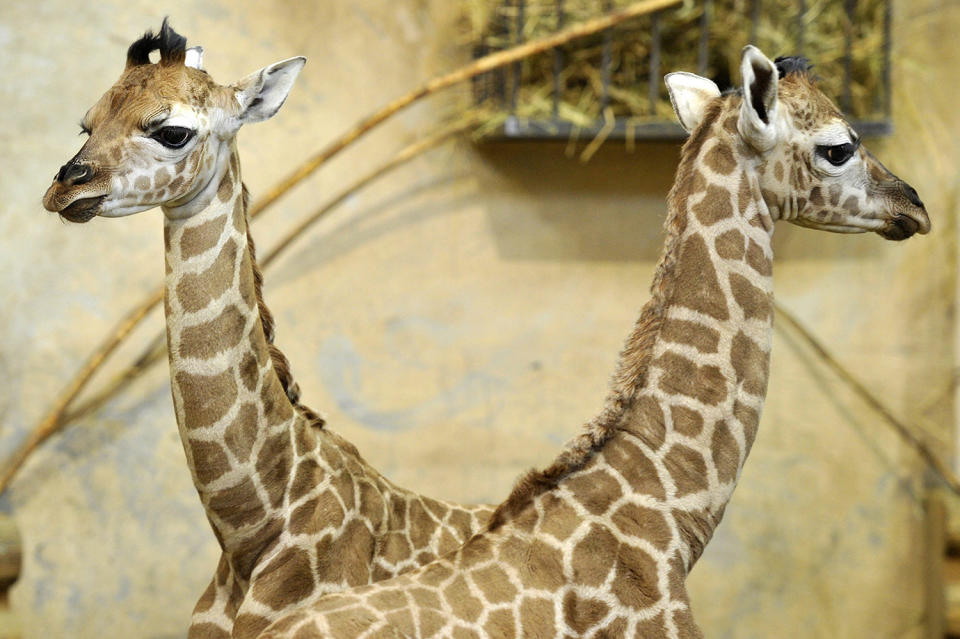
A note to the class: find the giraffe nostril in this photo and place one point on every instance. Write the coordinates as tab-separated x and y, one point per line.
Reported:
911	194
73	173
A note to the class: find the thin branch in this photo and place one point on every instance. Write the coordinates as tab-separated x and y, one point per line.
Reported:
904	431
51	421
152	354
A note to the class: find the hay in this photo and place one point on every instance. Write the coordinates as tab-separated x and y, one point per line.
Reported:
493	24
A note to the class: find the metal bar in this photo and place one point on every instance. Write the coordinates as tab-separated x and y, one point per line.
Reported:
846	100
561	131
502	28
607	61
557	65
887	72
702	54
480	84
754	20
654	81
802	27
517	68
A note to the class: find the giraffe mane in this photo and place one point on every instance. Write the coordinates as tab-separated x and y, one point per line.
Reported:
172	47
634	360
280	362
789	64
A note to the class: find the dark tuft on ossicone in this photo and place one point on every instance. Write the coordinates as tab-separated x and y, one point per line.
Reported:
172	47
787	64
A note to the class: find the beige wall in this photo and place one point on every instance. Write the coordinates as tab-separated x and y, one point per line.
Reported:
458	320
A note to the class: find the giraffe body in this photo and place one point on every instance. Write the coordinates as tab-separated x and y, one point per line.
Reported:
295	508
600	543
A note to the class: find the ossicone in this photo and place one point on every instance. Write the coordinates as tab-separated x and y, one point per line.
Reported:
172	47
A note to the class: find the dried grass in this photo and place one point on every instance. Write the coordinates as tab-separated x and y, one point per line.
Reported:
492	25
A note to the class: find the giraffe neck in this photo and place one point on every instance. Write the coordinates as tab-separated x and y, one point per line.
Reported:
235	419
686	397
694	375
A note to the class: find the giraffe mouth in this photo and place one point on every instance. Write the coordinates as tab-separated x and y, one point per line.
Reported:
901	227
82	210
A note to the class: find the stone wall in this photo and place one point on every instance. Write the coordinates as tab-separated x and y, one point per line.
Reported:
458	320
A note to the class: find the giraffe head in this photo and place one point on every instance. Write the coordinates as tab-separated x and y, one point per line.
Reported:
811	166
161	136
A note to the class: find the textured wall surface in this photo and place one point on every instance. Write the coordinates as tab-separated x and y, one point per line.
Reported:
458	320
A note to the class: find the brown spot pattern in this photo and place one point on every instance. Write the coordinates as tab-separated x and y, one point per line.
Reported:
720	158
209	460
714	207
595	490
206	398
594	556
643	523
242	431
199	239
758	260
276	406
239	505
195	291
726	452
161	178
495	585
582	614
688	469
560	520
754	301
696	286
729	245
225	189
209	339
634	466
703	338
750	420
686	421
778	171
750	364
645	419
287	579
635	582
273	466
462	602
536	617
680	375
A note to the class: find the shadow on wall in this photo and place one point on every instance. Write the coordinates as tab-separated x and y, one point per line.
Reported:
544	205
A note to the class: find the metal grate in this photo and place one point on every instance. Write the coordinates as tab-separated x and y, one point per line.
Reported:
502	87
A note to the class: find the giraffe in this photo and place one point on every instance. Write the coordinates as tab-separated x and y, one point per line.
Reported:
295	508
599	544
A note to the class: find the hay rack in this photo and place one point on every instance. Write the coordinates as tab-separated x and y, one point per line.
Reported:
847	40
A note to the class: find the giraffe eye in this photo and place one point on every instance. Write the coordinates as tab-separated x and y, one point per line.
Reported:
837	154
173	137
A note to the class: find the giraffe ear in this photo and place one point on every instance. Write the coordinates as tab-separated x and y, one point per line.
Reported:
758	112
689	95
261	94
